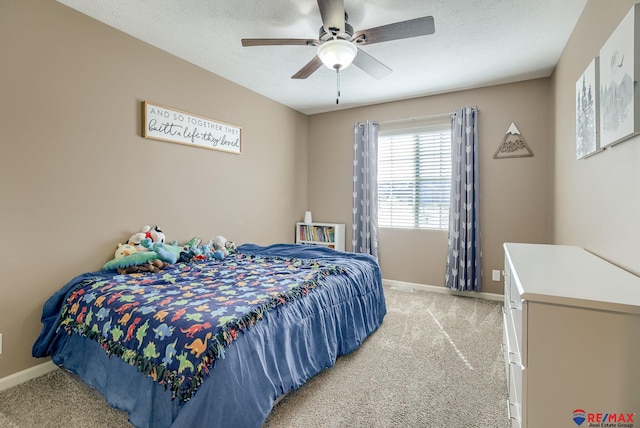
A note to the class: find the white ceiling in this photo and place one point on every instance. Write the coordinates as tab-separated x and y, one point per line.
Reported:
476	43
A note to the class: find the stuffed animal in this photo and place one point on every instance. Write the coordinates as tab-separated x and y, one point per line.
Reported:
154	233
218	244
189	249
148	232
167	253
230	246
135	241
156	255
201	252
135	259
191	243
153	266
219	255
124	250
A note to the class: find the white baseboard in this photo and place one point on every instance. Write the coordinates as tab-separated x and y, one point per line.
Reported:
436	289
27	374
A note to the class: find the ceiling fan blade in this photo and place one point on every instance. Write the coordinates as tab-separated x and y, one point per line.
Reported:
400	30
371	65
273	42
308	69
332	13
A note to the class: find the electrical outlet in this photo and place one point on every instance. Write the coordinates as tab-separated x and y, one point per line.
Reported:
495	275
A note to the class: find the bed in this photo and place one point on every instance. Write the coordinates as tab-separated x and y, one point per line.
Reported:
213	343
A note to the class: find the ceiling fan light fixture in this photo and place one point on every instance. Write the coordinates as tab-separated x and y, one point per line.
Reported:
337	54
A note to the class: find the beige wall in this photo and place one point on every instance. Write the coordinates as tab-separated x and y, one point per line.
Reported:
596	201
76	177
514	192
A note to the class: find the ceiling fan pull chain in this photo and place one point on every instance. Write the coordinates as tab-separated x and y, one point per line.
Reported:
338	81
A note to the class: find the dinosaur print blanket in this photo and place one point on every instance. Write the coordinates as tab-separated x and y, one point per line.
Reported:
173	325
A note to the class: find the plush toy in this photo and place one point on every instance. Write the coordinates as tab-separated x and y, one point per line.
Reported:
135	259
148	232
135	241
167	253
230	246
219	255
218	244
221	247
194	251
156	254
153	266
189	249
201	252
154	233
191	243
124	250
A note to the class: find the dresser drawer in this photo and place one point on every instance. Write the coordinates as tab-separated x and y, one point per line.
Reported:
516	326
516	373
515	300
505	347
506	273
514	404
511	336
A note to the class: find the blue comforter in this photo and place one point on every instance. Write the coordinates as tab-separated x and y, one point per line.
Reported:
279	314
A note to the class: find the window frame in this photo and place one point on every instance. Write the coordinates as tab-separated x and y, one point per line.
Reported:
420	136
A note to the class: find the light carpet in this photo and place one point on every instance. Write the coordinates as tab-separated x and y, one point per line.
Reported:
436	361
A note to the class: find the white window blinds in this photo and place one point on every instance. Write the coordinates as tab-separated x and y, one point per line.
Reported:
414	178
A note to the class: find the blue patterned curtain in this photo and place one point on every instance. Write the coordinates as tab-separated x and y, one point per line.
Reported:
464	261
365	188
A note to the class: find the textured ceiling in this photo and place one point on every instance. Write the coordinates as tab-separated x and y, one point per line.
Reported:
476	43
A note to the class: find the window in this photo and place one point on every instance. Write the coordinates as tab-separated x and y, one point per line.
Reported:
414	178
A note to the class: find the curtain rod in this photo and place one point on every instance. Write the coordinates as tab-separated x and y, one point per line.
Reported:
412	119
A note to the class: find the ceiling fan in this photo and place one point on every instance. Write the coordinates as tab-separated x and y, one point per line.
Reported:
338	44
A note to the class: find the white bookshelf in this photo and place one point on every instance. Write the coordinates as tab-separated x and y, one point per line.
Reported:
329	235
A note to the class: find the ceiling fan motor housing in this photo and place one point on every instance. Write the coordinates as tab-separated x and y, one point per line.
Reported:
334	33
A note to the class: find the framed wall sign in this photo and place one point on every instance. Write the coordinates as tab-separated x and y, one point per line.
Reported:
175	126
513	145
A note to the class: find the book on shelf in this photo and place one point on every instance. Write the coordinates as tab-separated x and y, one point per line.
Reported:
316	233
323	234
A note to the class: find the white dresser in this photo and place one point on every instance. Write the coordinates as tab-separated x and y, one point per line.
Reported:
571	338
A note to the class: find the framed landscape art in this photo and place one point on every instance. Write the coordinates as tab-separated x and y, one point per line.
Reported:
587	117
619	96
